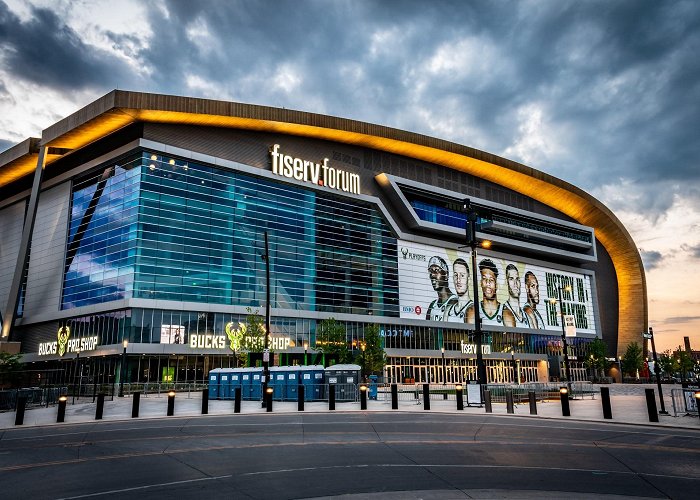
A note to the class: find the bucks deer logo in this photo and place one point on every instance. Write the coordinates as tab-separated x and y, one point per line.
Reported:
62	337
235	335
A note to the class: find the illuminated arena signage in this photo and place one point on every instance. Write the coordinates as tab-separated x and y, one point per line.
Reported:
63	344
320	174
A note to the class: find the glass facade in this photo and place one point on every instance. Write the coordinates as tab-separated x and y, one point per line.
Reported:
161	228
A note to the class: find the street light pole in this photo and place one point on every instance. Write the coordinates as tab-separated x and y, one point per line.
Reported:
266	349
122	375
75	370
657	371
472	218
363	346
565	347
306	349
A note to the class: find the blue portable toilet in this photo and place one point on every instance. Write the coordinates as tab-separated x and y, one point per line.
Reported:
292	383
224	383
235	380
312	379
255	383
214	383
278	381
373	386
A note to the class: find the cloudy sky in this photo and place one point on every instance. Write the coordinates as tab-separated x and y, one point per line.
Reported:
604	94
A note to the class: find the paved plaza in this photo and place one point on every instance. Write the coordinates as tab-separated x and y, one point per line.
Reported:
627	400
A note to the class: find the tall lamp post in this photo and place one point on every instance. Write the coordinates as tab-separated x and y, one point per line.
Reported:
657	370
306	350
122	375
363	346
472	219
266	349
564	345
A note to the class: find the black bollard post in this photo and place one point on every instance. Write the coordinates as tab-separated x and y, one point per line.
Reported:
61	415
21	407
268	398
171	404
135	404
564	397
487	401
237	395
205	401
605	400
533	402
300	397
363	396
331	396
394	397
459	396
100	407
509	401
426	396
651	405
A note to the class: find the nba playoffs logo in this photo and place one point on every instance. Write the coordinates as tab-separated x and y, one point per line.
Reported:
411	256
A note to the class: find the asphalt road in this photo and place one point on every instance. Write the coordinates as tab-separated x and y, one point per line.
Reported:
368	455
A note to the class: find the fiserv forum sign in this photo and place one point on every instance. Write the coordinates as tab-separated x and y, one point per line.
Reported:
321	174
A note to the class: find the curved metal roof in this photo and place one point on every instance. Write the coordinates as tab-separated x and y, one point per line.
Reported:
121	108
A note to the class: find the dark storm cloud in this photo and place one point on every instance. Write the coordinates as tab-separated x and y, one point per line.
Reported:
651	259
616	78
45	51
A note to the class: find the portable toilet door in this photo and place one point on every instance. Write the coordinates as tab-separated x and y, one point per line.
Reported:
256	384
234	382
224	384
214	383
246	384
292	386
278	380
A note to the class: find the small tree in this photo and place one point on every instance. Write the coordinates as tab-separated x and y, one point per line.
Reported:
332	341
246	337
10	369
667	363
685	363
374	355
632	360
596	361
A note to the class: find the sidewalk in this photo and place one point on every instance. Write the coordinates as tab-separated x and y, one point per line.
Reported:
628	406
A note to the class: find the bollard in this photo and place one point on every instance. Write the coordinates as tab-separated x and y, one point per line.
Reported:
394	397
605	400
363	397
651	405
487	401
171	404
426	396
564	397
696	395
135	403
61	415
509	401
237	395
459	396
268	398
205	401
300	397
444	394
533	402
21	406
331	396
100	407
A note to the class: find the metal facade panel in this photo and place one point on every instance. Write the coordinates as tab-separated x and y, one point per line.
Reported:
11	222
48	251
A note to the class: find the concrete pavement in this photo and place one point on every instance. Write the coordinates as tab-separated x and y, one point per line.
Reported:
628	406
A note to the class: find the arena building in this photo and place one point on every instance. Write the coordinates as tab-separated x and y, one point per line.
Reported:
142	217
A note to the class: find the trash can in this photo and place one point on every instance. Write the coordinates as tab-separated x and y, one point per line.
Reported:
373	386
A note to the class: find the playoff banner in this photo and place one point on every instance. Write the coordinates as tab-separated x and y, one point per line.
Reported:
436	284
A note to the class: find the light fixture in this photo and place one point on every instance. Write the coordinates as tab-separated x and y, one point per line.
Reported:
154	157
486	244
